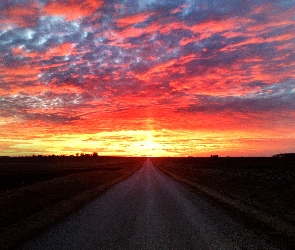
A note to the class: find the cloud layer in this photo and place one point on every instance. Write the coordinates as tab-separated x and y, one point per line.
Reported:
94	66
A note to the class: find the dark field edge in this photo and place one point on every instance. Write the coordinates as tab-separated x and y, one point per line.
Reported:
16	180
34	225
16	172
279	232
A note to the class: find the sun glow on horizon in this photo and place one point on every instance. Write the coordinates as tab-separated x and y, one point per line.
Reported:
148	147
154	143
154	148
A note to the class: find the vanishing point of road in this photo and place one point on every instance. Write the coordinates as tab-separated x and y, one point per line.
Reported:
149	211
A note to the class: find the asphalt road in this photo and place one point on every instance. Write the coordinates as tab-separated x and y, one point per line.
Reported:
149	211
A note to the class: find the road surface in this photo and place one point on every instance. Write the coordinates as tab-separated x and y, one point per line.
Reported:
149	211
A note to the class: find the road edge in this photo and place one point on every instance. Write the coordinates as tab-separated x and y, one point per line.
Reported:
273	222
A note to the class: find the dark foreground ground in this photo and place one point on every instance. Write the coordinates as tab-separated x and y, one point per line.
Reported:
263	185
150	210
36	192
21	171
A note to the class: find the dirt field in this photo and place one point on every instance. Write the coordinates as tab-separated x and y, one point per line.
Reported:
266	184
20	171
36	192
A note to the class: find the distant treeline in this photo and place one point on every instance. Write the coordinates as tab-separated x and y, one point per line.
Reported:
289	155
214	156
94	154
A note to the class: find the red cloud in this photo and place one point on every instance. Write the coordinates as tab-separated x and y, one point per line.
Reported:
16	89
41	89
73	9
21	71
19	15
63	49
19	51
129	20
186	40
207	28
128	30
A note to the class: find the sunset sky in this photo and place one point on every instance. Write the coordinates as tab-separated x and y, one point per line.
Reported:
147	77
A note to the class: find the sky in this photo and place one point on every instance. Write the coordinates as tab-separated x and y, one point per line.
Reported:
147	77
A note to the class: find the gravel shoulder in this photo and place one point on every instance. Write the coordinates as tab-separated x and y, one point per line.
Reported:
256	191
